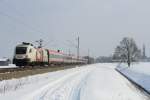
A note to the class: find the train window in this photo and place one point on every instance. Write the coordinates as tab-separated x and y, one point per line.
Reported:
21	50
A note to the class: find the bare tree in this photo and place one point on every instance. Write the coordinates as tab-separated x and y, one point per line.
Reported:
127	51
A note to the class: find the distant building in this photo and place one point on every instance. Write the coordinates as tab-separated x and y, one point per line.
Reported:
144	57
4	62
105	59
90	59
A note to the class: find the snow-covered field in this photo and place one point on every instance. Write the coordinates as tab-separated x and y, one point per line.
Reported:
90	82
9	66
138	72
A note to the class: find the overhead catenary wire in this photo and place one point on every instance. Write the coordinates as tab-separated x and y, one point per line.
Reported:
17	18
20	22
27	25
12	8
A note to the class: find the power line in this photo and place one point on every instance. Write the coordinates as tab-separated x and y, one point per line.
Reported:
78	47
40	42
20	22
13	7
72	44
49	43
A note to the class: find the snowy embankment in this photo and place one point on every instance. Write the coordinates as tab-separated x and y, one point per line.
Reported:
92	82
137	72
9	66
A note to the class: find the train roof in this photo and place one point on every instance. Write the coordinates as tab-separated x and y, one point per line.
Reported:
25	44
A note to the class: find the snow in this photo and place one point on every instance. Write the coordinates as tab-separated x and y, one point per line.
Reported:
106	84
90	82
3	59
138	72
9	66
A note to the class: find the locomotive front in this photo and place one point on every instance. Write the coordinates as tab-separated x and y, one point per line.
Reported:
24	54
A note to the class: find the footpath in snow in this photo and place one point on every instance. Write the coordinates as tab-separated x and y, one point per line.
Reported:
91	82
138	72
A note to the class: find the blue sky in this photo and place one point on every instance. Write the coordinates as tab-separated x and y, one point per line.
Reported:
101	24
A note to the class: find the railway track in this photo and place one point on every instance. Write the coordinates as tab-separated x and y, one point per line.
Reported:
9	73
7	70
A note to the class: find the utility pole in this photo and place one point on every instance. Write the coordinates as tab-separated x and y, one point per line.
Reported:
88	56
144	54
69	52
78	47
40	42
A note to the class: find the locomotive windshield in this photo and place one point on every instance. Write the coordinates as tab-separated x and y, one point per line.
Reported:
21	50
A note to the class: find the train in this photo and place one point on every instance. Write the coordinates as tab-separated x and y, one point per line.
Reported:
26	54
